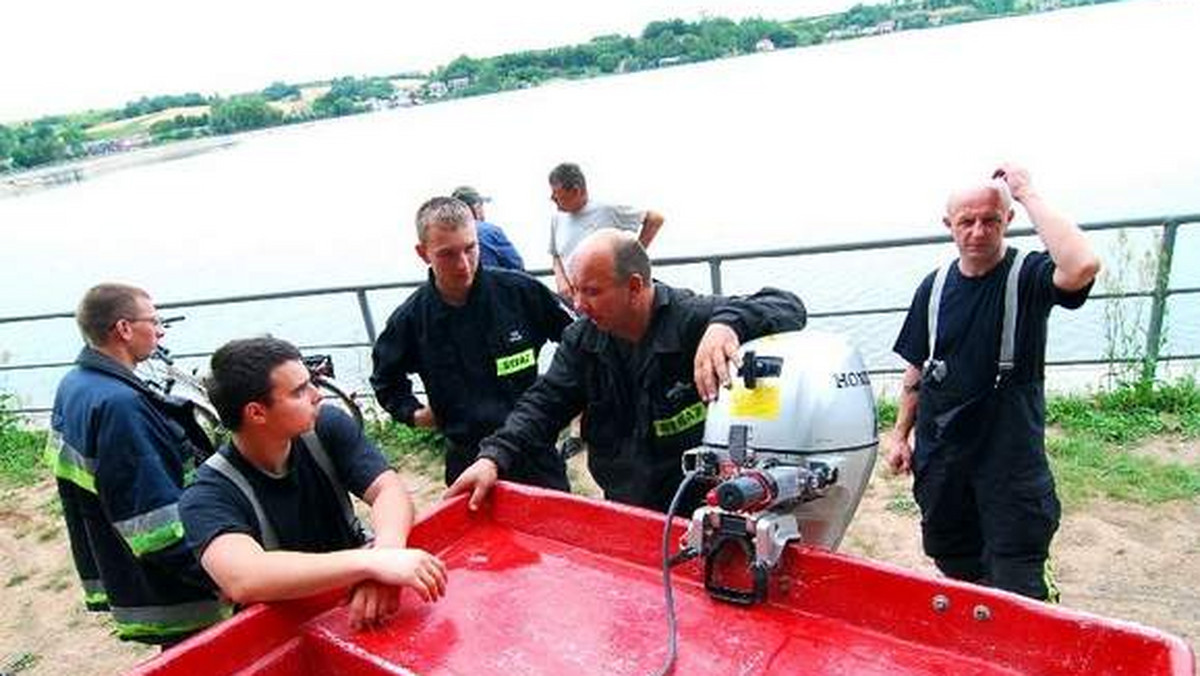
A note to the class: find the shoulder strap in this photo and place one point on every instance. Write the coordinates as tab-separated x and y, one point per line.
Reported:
266	531
935	304
1008	330
317	450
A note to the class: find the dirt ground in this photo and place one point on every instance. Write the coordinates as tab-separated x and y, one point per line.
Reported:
1117	560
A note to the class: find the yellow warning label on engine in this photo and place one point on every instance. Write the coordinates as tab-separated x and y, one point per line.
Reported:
761	402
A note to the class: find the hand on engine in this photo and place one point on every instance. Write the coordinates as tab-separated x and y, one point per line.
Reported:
718	348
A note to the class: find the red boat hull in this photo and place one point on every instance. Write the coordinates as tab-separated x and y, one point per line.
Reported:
546	583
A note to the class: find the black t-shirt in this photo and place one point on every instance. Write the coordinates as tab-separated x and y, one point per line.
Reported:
303	509
969	323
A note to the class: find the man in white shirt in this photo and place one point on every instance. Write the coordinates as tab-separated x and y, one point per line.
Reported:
578	217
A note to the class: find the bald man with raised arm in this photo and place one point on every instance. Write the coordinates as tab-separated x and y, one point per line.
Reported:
973	395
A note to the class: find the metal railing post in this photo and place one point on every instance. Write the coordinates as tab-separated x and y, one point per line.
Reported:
714	275
1158	308
365	308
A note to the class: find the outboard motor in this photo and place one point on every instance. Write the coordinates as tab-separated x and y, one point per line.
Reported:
790	449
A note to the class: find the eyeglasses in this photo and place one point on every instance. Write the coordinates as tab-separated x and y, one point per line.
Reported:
156	321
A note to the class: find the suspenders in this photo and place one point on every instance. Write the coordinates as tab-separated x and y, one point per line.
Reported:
936	368
270	540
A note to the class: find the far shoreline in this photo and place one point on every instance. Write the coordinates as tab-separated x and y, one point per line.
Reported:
81	169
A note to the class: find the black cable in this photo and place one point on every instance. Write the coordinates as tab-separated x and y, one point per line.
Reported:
672	646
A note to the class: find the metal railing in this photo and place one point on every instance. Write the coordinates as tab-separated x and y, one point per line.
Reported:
1159	293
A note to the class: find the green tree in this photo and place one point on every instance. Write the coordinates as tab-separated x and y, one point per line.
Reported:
995	7
755	29
721	36
345	93
240	113
147	105
37	144
611	51
330	105
488	78
8	142
280	90
73	137
808	34
179	127
608	62
669	29
463	66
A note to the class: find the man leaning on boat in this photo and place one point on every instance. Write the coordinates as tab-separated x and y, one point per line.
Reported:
640	368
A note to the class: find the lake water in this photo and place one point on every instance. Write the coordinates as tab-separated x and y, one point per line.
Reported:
852	141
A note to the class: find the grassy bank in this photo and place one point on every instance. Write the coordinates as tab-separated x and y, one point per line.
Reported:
1097	453
1096	441
417	450
20	448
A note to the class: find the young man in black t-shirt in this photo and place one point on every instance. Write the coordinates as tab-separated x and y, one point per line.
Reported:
980	475
268	516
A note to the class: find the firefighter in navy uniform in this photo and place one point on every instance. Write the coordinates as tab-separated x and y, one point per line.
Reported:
975	343
121	454
640	369
473	335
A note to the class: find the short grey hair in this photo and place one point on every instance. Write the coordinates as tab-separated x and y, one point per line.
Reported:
629	258
103	306
443	212
568	176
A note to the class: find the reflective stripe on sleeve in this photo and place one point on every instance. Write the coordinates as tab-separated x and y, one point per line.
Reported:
151	531
682	421
69	464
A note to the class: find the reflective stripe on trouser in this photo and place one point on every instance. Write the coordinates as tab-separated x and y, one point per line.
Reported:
1052	593
94	595
152	531
148	622
69	464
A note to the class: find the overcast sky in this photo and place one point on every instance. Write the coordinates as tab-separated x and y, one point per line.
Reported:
67	55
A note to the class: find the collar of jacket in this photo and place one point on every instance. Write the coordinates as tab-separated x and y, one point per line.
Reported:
483	277
95	360
660	338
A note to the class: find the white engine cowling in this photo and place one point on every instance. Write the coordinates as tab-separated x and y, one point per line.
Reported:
807	397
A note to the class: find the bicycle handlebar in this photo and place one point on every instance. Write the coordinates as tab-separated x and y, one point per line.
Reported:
320	365
163	354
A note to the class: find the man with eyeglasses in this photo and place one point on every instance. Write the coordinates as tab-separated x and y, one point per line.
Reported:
975	345
121	453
